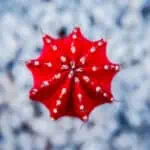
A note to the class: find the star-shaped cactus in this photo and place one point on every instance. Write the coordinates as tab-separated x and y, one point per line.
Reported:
72	75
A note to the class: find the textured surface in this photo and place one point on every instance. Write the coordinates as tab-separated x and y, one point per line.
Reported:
125	24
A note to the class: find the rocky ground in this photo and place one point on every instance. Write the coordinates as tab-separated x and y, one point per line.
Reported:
124	125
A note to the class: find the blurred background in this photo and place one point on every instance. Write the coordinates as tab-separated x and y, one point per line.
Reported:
25	125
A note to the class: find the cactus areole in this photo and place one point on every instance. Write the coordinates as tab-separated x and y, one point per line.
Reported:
72	75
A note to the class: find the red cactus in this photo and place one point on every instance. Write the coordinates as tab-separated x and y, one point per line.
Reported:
72	75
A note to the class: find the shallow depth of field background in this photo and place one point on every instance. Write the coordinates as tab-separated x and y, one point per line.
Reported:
25	125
